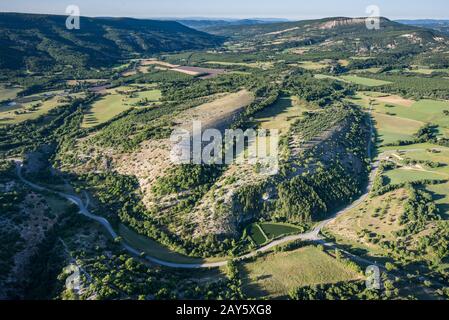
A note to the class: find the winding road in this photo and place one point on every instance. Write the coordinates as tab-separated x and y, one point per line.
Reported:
313	235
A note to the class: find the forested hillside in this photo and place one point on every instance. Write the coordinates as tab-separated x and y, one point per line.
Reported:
340	34
39	42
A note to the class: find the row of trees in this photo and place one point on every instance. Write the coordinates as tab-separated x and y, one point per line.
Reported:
323	92
319	180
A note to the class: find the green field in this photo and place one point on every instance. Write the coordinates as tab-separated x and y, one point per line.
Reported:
274	275
440	193
280	115
365	81
391	129
115	103
325	76
398	176
8	93
275	230
367	70
264	232
151	95
426	70
398	118
355	79
423	155
23	112
429	111
103	110
423	146
257	234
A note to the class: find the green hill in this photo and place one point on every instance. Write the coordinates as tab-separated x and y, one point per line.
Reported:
40	42
336	34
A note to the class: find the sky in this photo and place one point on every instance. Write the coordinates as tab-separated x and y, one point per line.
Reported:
290	9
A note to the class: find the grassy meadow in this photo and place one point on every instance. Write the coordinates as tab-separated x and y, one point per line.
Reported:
364	81
312	66
398	118
29	110
391	129
401	175
117	101
259	64
274	275
265	232
280	115
355	80
8	93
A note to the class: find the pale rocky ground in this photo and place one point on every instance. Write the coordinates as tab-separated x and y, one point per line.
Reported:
152	160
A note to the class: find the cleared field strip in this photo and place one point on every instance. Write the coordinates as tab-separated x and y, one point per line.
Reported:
86	81
203	73
151	62
261	65
365	81
396	100
367	70
311	65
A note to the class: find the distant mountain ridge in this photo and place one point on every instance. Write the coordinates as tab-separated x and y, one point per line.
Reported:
439	25
423	21
302	25
204	23
337	34
37	41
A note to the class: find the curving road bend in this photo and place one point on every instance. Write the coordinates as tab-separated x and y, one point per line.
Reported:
313	235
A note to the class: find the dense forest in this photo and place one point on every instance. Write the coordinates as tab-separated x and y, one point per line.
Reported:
100	42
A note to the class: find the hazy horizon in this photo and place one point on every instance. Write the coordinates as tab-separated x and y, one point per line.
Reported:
234	9
223	18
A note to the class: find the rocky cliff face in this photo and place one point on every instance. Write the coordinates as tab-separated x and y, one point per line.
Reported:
341	22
